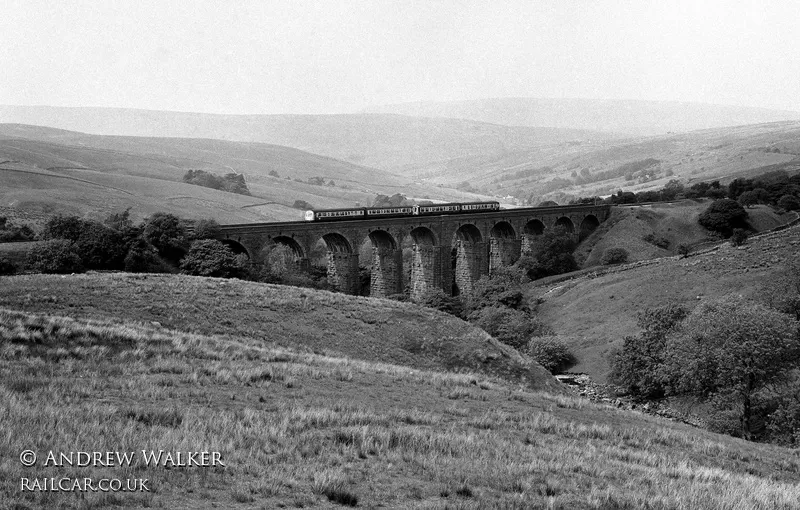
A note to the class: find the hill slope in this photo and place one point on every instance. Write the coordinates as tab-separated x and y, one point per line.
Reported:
298	429
47	171
621	116
390	142
598	311
602	167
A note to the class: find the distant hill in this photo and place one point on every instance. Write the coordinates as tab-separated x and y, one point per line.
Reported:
47	171
602	167
621	116
387	141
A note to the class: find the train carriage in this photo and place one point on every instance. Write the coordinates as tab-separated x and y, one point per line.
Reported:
358	213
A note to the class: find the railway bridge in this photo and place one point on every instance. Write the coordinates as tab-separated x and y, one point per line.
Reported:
448	252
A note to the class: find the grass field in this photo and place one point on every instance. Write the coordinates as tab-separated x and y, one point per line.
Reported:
299	429
597	312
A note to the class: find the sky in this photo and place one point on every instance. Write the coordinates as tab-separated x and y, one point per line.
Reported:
340	56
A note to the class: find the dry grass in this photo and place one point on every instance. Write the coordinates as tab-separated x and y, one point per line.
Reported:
345	431
322	322
597	312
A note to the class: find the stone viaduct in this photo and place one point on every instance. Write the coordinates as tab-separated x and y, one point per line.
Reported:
448	252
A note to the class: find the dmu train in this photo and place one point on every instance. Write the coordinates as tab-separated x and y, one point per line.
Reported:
366	213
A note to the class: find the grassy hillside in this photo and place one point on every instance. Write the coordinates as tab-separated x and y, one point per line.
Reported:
673	223
375	140
599	167
299	429
363	328
46	171
621	116
597	311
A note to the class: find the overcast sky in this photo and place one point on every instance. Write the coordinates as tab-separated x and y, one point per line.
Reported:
340	56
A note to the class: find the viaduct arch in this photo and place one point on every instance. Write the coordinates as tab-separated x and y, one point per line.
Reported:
448	252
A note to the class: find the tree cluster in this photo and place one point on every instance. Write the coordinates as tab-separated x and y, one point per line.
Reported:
10	233
723	216
232	182
737	356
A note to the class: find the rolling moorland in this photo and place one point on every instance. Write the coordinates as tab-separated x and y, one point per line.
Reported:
520	154
365	401
297	424
385	141
47	171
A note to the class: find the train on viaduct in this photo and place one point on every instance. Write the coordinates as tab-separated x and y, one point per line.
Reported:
449	252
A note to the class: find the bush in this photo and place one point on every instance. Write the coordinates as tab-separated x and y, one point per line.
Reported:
209	257
55	256
551	352
11	233
438	300
512	327
302	204
739	236
723	216
684	250
661	242
614	256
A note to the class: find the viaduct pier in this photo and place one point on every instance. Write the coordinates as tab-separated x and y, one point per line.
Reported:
448	252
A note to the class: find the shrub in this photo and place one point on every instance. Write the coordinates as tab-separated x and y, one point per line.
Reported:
55	256
512	327
660	241
11	233
739	236
723	216
438	300
551	352
614	256
302	204
684	250
209	257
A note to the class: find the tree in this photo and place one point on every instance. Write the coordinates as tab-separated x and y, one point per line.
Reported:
209	257
723	216
789	203
553	253
100	247
55	256
205	229
166	233
749	198
731	350
637	365
614	256
142	257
